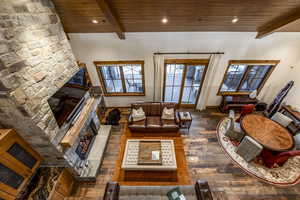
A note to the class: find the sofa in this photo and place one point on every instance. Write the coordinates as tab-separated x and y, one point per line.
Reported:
153	122
114	191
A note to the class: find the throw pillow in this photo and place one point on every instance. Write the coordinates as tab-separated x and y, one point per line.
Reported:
175	194
138	114
168	113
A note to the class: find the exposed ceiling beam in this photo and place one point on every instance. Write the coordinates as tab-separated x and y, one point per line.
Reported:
112	18
277	24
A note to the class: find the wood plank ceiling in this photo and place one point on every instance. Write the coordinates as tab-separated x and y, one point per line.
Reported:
182	15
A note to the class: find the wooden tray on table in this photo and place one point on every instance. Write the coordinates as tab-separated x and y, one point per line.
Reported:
145	153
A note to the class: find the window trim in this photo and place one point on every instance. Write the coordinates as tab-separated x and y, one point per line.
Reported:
99	64
274	63
185	62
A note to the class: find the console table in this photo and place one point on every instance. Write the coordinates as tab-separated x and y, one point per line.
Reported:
235	102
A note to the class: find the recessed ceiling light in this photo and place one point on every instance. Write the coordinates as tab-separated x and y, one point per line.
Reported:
95	21
164	20
235	20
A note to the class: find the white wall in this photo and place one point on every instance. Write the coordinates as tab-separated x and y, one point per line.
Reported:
140	46
293	98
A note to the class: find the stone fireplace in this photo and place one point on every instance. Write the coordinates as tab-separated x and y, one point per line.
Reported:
35	61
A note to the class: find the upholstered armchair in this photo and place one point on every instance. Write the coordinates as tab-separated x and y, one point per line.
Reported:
270	160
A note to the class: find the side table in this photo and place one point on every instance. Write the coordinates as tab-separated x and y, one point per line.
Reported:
185	120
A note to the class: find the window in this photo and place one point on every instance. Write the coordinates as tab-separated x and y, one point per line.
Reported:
243	77
183	80
174	73
122	77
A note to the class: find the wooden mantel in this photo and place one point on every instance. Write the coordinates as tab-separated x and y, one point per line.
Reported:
72	134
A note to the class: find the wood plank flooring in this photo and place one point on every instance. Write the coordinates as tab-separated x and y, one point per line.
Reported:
205	159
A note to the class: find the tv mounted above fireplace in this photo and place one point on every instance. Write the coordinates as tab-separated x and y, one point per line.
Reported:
67	102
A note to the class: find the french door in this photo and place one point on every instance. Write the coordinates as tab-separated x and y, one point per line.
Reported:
183	81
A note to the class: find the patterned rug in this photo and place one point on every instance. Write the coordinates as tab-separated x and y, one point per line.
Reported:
285	176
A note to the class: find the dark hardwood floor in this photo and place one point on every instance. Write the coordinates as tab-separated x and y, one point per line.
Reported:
205	159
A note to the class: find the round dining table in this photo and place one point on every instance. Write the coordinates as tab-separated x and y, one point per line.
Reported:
267	132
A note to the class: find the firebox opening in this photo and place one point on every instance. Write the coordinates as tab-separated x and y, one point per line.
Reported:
86	141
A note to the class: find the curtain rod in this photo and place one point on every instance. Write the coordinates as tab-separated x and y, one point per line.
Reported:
188	53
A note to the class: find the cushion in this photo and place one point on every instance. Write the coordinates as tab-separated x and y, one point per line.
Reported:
175	194
140	123
138	114
168	123
153	121
297	141
154	109
168	113
281	119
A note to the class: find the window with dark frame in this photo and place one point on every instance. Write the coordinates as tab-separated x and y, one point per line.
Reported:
243	77
122	77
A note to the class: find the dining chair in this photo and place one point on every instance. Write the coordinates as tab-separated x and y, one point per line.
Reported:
234	131
249	149
281	119
246	109
272	160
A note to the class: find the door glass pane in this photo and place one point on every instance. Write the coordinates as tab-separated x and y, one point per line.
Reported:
112	79
254	77
168	93
133	78
193	79
186	95
174	74
176	94
10	177
172	94
23	156
233	77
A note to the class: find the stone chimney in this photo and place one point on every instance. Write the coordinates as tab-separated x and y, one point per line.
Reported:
35	61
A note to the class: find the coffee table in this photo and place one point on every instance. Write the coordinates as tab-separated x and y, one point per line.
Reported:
130	159
268	133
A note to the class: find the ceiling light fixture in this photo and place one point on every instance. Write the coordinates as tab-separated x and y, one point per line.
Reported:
95	21
164	20
235	19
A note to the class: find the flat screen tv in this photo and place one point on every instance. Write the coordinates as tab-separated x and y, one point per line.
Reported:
68	100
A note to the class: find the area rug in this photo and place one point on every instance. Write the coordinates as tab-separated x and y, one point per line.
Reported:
178	177
285	176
